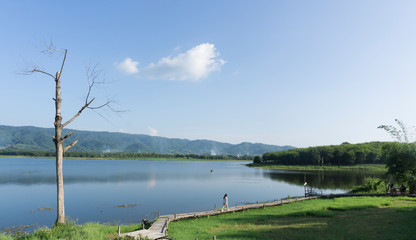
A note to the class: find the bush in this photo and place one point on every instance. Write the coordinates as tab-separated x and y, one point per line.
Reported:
370	185
257	159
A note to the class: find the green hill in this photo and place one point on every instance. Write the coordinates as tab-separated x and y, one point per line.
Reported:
34	138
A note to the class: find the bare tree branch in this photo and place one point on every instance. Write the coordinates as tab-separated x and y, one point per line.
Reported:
63	62
68	135
92	77
70	146
114	110
90	85
79	113
39	71
51	49
104	105
101	115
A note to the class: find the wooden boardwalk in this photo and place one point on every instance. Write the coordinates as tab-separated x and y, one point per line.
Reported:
158	230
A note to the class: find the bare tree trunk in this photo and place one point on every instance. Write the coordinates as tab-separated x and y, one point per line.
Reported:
60	184
59	152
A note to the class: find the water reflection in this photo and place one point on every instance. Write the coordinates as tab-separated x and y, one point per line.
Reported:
324	179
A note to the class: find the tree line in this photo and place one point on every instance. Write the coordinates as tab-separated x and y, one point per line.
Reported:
120	155
344	154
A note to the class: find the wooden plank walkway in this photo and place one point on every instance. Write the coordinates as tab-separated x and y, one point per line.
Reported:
158	230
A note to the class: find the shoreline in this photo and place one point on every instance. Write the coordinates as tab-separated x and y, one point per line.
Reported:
368	167
129	159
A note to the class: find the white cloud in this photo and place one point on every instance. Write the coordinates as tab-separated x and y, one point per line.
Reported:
198	62
152	131
128	66
195	64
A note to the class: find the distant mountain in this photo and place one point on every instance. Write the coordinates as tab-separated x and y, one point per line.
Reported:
34	138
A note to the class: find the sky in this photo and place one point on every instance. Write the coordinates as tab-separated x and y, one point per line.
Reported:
300	73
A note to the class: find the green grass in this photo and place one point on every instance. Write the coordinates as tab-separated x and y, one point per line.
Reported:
368	167
338	218
90	231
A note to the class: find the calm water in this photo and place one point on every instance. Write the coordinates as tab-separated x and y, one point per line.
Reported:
94	188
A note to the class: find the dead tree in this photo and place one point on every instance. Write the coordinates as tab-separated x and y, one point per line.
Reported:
58	138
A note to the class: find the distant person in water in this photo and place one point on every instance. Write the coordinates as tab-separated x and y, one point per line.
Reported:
225	201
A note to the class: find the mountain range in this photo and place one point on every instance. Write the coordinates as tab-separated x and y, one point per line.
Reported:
35	138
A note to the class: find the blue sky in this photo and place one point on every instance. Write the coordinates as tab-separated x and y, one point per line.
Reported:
301	73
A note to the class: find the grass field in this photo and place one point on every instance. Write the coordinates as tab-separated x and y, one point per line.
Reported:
339	218
88	231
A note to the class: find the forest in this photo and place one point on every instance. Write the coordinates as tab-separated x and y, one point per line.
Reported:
121	155
344	154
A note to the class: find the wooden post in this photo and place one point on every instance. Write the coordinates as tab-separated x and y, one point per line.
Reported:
143	225
257	202
174	216
158	214
215	206
118	231
214	238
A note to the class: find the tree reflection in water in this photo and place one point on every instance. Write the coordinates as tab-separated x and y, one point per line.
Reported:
324	179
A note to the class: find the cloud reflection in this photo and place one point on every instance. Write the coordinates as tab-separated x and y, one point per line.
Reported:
152	181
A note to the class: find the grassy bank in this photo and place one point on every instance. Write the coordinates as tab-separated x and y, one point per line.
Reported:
90	231
340	218
368	167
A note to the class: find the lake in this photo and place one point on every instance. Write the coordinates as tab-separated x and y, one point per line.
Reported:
127	191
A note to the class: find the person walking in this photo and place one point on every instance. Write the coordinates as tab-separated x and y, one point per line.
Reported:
225	201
